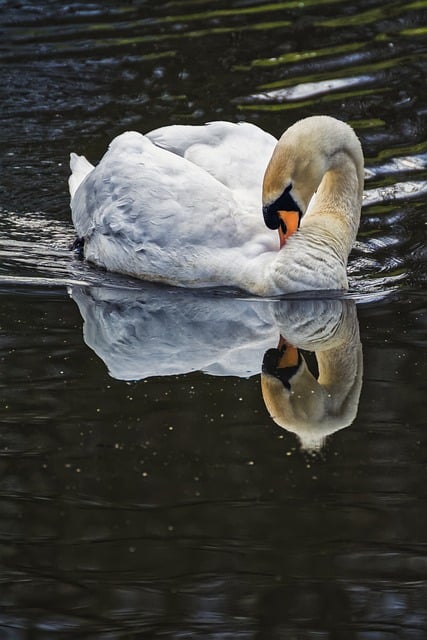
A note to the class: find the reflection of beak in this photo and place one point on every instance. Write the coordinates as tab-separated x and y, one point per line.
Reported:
282	363
289	223
288	354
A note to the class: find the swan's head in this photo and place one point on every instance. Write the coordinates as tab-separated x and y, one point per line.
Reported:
302	156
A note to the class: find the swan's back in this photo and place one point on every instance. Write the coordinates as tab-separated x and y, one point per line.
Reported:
236	154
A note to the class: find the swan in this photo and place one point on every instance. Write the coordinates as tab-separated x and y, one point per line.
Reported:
182	205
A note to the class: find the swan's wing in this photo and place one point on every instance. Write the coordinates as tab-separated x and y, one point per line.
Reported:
148	195
235	154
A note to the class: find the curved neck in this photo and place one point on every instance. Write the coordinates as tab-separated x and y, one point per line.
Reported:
340	374
335	209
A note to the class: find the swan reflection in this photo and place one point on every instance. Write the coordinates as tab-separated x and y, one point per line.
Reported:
314	407
153	331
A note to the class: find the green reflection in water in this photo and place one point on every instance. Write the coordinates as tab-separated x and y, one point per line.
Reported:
291	4
118	42
414	149
419	31
358	70
224	13
370	16
367	124
299	56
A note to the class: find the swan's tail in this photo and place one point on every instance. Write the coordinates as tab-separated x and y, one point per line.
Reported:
80	168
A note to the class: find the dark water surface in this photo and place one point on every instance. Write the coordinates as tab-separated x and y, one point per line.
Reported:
145	490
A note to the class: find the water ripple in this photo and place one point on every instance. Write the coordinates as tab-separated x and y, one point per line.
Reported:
308	90
397	191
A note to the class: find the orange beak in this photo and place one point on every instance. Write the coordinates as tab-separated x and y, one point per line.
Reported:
291	223
289	354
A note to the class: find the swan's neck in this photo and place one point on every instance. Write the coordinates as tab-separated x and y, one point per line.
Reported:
315	257
335	211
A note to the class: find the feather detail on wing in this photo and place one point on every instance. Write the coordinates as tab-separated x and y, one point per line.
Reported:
148	194
235	154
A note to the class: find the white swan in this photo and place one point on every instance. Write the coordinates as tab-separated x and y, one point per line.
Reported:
182	205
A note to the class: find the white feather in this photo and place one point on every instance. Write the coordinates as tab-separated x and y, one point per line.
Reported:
80	167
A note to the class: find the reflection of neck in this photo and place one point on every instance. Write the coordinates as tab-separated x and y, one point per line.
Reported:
340	374
314	408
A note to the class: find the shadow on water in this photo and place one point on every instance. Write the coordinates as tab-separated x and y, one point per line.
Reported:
148	487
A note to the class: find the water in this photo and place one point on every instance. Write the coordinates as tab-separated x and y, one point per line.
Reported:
148	489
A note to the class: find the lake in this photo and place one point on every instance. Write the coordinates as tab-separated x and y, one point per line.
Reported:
163	474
